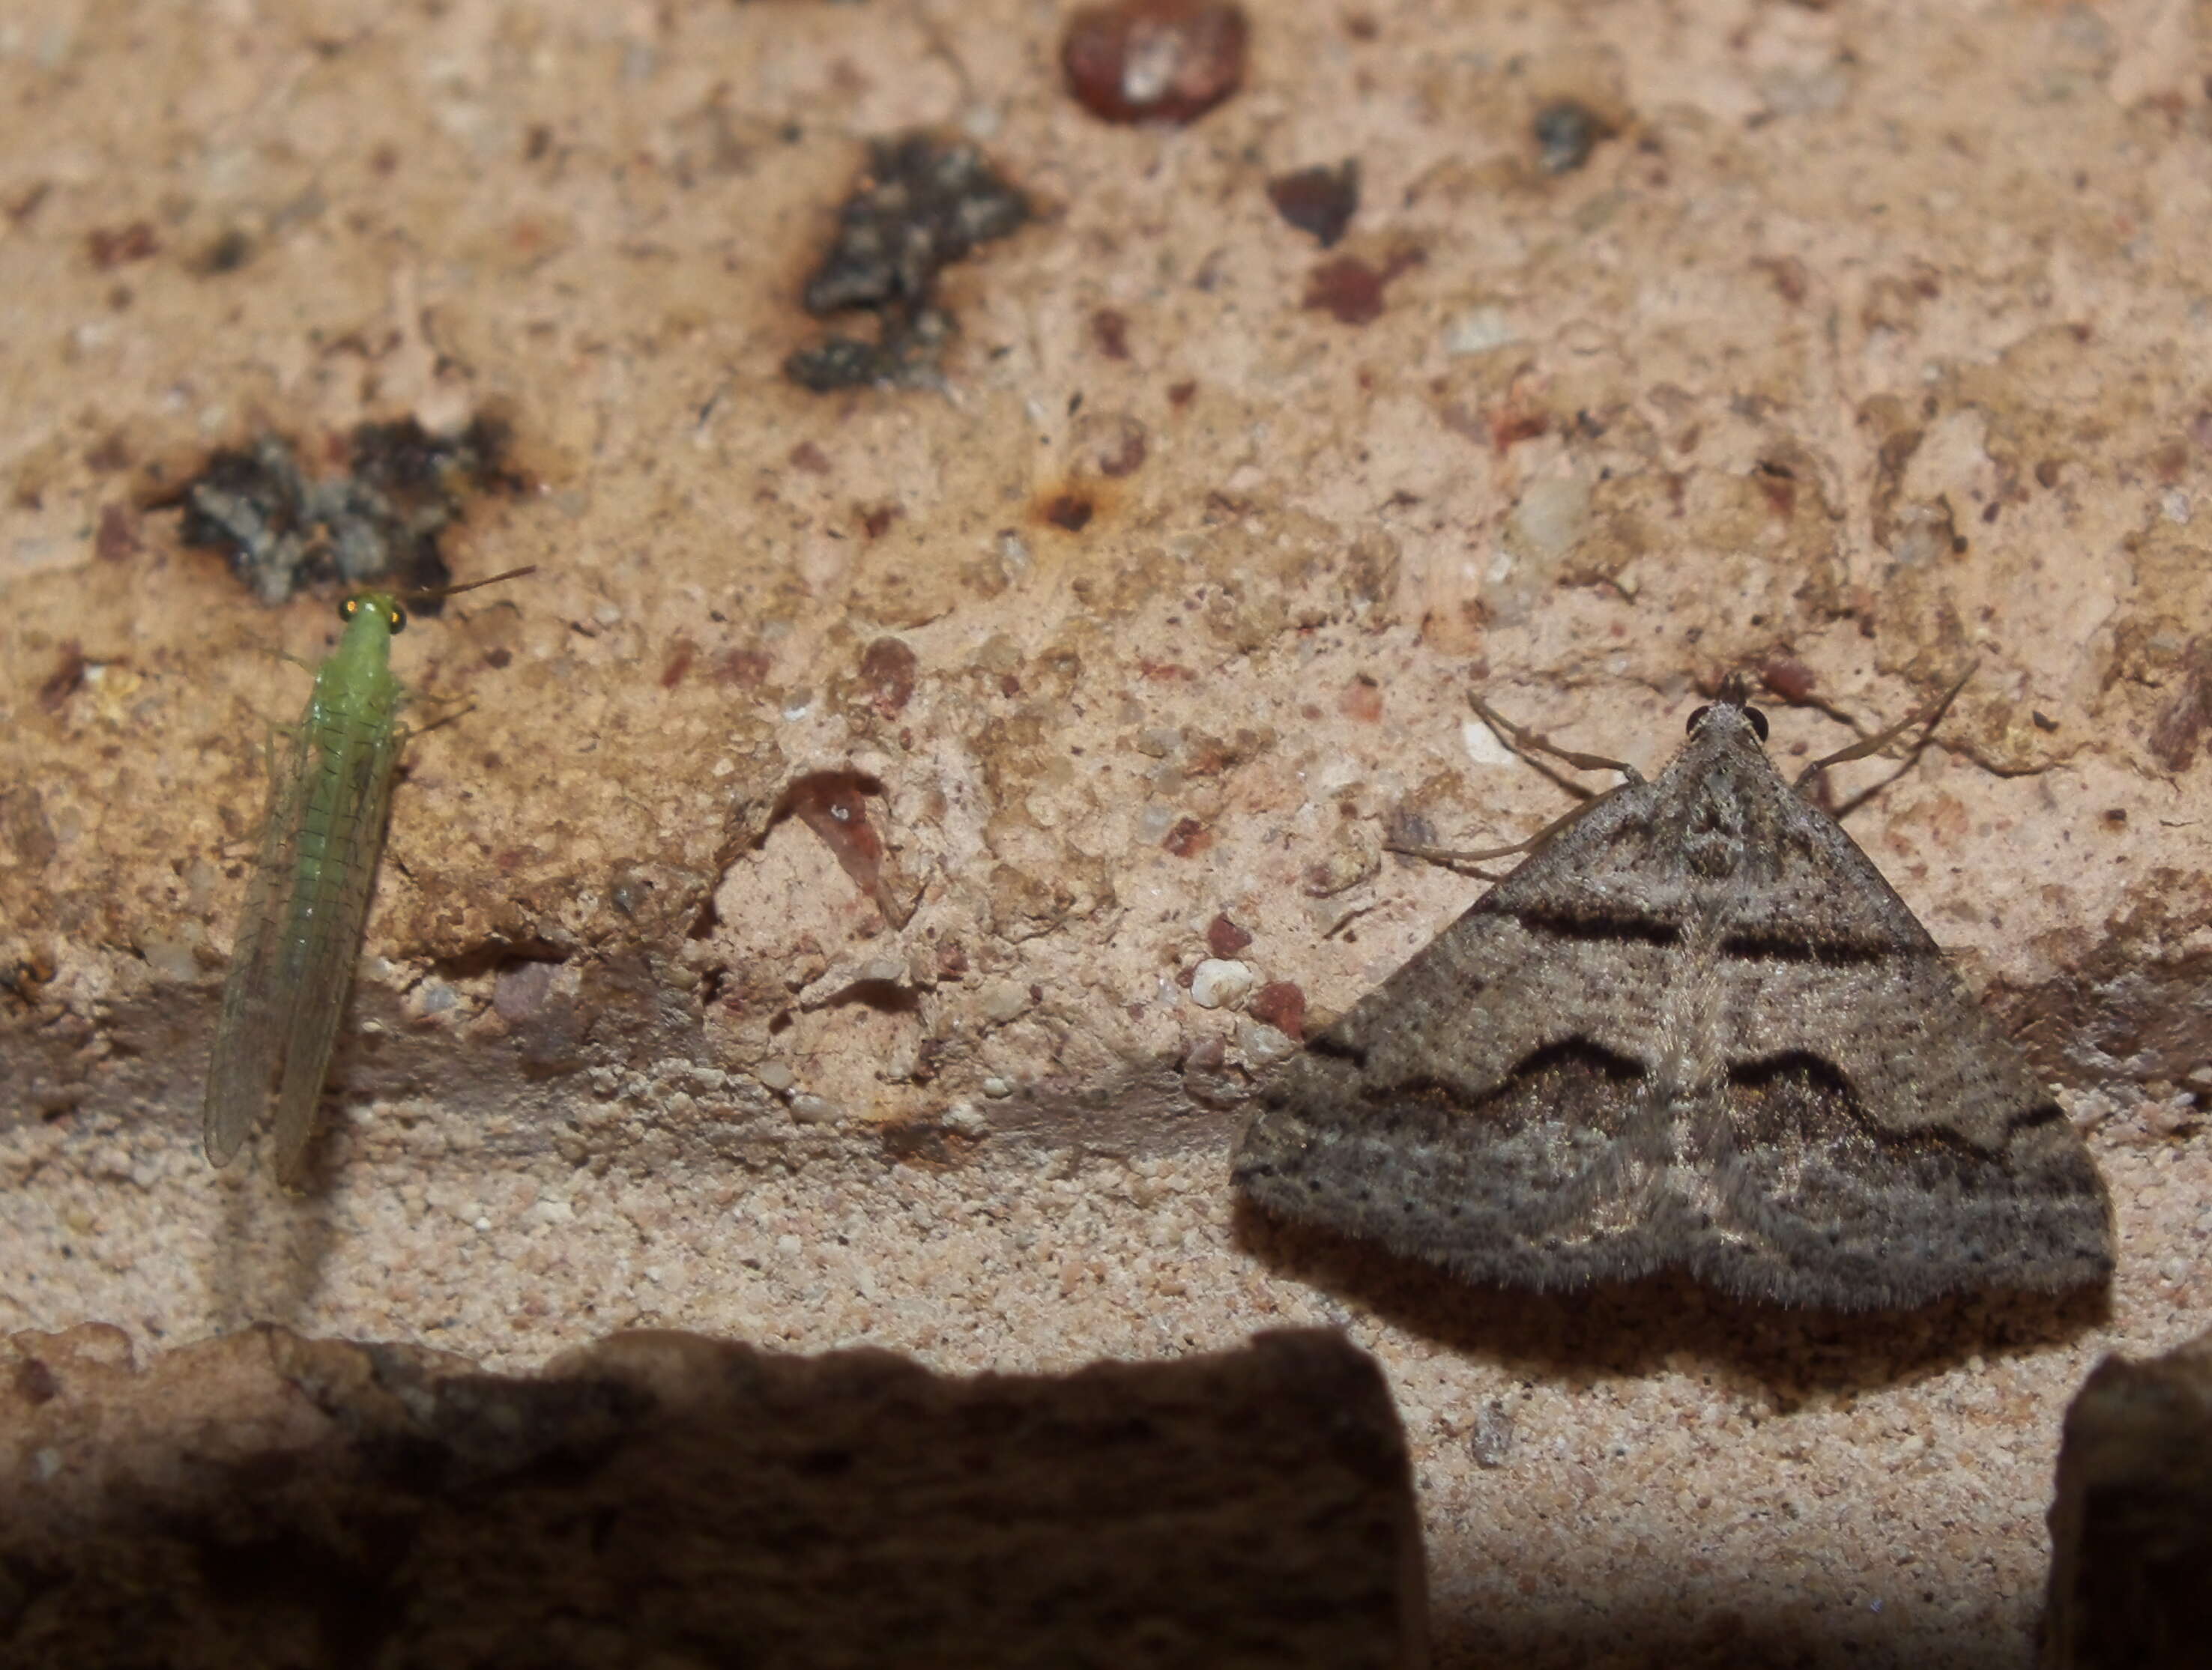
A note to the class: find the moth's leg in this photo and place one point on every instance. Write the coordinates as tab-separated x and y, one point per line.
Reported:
1534	747
1521	740
1464	860
1930	716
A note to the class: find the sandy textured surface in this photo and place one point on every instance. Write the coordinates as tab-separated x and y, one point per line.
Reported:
1865	346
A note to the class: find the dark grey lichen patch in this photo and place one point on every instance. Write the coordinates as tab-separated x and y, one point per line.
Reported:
378	517
921	205
1566	130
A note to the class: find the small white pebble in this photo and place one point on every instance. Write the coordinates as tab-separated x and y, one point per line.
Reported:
1003	999
786	1246
964	1118
999	1087
1217	983
1482	744
811	1110
1477	331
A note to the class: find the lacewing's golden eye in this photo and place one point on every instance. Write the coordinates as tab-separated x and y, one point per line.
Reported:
399	624
350	607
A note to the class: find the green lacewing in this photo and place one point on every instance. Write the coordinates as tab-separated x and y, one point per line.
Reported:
307	901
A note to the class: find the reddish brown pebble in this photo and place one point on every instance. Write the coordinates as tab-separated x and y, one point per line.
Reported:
1110	331
1121	450
833	804
113	453
1154	60
134	242
1510	427
1224	939
1787	273
1346	288
1182	394
1070	511
876	519
680	657
888	668
1280	1005
1362	700
1791	679
742	666
1780	488
118	534
1350	290
65	680
810	458
1188	839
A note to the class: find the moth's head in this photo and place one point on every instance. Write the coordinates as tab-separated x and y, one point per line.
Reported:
369	608
1734	700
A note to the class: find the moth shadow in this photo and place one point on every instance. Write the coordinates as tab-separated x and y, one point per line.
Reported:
1640	1325
1682	1635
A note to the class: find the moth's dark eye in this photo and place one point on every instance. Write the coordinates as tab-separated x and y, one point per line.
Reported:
1696	720
399	624
1758	721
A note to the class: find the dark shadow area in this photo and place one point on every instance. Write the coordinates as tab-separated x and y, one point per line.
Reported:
1814	1632
886	997
266	1500
1635	1327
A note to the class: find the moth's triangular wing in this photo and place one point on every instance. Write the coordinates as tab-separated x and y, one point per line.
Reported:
1866	1136
1489	1107
1696	1028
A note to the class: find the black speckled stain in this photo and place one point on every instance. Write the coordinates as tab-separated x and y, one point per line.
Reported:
922	204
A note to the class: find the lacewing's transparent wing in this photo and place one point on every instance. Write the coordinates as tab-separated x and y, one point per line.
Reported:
249	1039
301	931
342	836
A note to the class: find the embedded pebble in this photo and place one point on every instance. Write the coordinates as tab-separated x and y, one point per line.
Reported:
811	1110
1215	983
1491	1440
1262	1046
1003	999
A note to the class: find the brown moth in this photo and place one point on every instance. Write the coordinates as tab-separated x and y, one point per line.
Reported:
1693	1028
